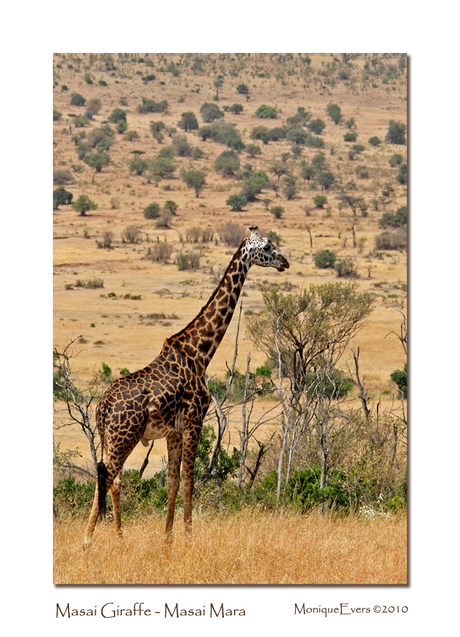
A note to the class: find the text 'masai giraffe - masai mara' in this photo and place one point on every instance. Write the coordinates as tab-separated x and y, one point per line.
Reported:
169	398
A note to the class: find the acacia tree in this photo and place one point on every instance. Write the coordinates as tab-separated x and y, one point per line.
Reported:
304	336
188	121
79	405
83	205
195	179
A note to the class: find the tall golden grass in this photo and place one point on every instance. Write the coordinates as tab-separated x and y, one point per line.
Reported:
242	548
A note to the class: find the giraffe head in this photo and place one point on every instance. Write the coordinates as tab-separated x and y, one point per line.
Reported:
263	252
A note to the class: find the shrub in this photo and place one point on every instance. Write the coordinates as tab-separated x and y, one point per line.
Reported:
131	234
150	106
195	179
188	261
210	112
400	378
252	150
351	136
188	121
277	211
396	160
162	167
101	138
131	135
316	126
243	89
83	205
254	185
160	252
236	109
171	207
391	240
374	141
77	100
217	388
61	177
396	133
334	112
325	259
395	220
304	489
290	190
266	112
61	197
232	234
97	160
152	211
402	176
138	166
346	269
320	201
227	163
325	179
237	202
336	385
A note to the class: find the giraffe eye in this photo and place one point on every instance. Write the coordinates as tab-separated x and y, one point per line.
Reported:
267	248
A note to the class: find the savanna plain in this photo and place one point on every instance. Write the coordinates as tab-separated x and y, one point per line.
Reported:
154	217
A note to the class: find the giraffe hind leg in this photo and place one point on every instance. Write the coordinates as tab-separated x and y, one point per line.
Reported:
174	443
115	493
99	503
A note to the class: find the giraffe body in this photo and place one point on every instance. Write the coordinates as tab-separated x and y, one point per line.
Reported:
169	398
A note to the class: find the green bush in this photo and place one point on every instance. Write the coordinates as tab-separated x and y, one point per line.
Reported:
316	126
277	211
152	211
77	100
150	106
374	141
334	112
242	89
61	197
396	219
325	259
346	269
227	163
305	491
236	202
400	378
337	385
351	136
396	133
266	112
320	201
396	160
61	177
210	112
117	115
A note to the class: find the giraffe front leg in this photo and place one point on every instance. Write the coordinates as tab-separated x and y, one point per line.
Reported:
190	445
174	443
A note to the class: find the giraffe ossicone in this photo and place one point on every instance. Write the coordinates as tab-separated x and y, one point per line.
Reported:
168	398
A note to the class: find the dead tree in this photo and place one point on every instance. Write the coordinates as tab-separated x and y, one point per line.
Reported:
79	404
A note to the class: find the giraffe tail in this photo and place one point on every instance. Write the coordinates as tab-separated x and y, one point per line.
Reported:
102	487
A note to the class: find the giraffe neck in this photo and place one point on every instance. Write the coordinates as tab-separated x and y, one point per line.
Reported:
203	335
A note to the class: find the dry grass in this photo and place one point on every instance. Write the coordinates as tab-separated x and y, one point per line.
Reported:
244	548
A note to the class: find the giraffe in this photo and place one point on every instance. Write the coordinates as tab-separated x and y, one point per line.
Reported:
169	398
